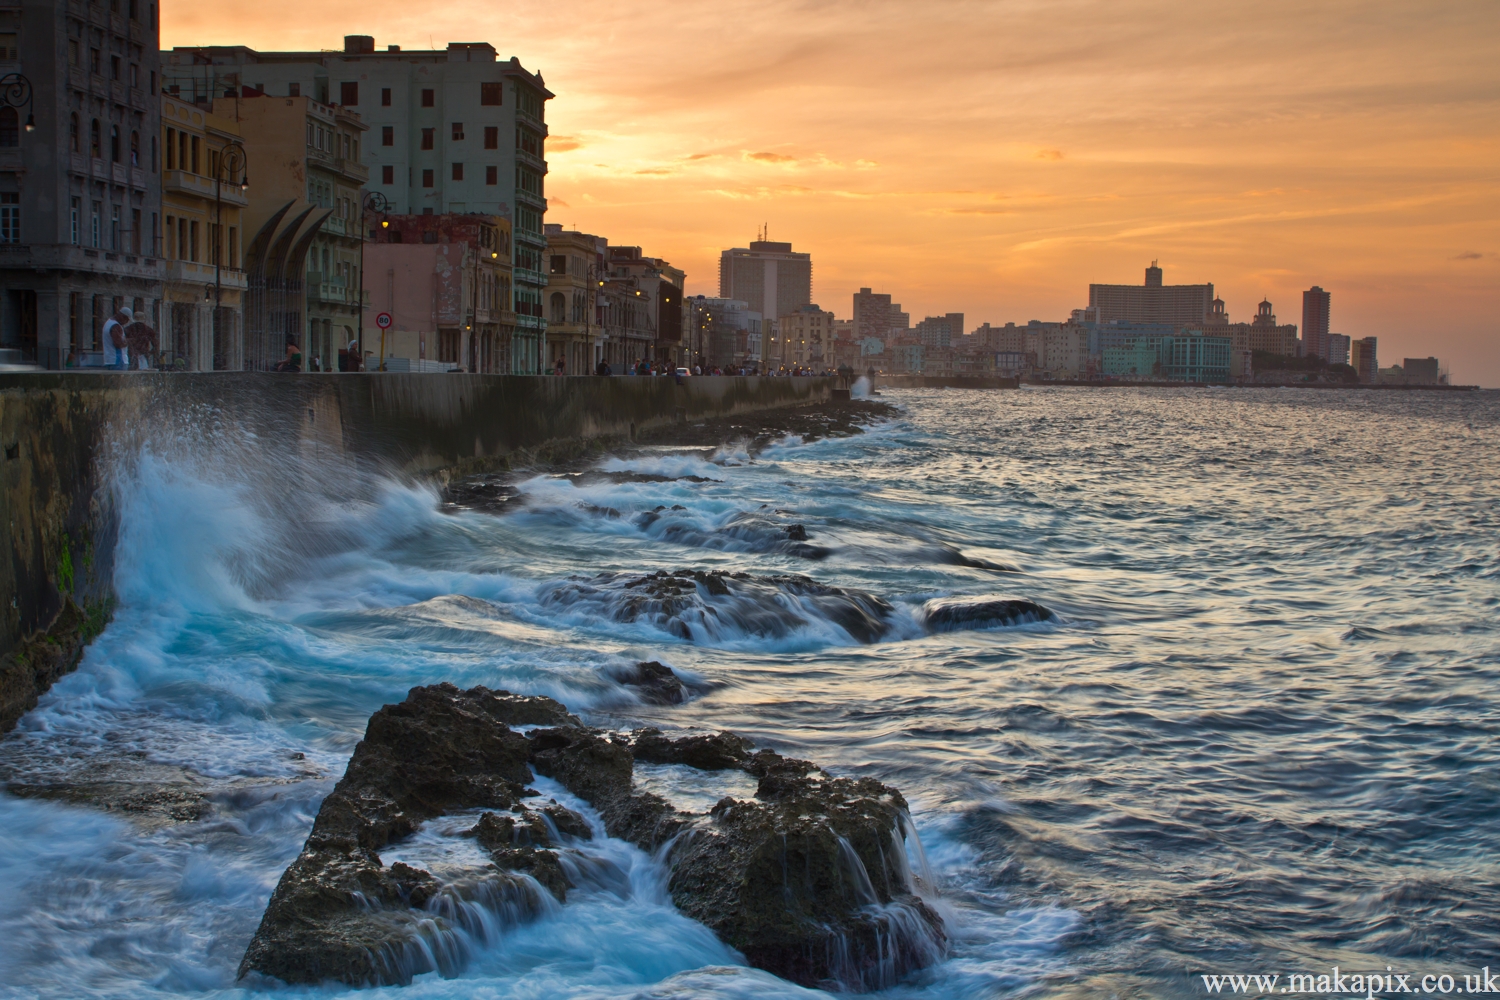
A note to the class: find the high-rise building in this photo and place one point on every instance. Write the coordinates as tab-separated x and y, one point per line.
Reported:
80	200
773	279
1153	302
1363	360
451	131
1338	349
877	317
1420	371
1315	323
941	331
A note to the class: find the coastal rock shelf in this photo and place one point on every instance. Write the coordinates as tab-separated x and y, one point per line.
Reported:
808	879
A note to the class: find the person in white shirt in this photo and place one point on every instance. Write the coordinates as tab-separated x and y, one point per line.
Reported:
116	354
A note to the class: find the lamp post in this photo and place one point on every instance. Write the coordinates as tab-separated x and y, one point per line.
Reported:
15	92
232	161
594	275
370	201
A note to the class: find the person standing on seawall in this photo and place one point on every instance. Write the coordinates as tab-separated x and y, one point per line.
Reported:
116	352
558	368
293	360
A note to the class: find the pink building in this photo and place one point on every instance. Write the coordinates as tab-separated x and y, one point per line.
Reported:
445	282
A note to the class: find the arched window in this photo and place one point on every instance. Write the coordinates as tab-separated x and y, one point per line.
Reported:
135	149
559	308
10	128
73	133
114	144
94	139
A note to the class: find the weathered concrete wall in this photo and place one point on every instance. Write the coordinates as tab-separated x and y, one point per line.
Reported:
57	430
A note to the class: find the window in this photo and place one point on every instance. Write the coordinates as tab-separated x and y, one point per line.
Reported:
385	97
135	149
427	98
428	137
153	154
94	225
171	149
349	94
309	133
234	247
387	135
448	346
181	253
387	174
193	240
193	164
491	137
427	178
135	230
94	61
114	67
294	90
72	52
75	210
458	131
10	128
559	264
10	214
114	144
114	228
458	171
182	150
489	94
492	175
135	75
73	139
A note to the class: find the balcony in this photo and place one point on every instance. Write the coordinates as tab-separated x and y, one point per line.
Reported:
526	276
67	257
183	182
352	170
196	272
328	288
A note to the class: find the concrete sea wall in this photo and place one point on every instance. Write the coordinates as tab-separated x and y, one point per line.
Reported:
60	432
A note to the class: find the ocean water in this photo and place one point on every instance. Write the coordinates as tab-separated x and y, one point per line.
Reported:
1259	736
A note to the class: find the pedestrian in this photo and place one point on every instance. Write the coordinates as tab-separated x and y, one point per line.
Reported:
558	369
140	340
116	345
349	360
293	360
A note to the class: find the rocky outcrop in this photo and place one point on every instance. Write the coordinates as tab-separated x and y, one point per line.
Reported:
957	615
808	880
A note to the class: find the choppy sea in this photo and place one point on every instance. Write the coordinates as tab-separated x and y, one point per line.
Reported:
1259	736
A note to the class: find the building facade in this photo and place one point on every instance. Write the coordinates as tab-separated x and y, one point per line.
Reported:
574	270
803	339
772	278
1153	302
941	331
875	315
646	302
451	131
204	182
303	227
1315	304
444	280
80	203
1362	358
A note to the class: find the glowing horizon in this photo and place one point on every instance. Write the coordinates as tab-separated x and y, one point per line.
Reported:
994	158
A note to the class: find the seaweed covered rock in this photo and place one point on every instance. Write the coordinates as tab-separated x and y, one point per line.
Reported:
808	879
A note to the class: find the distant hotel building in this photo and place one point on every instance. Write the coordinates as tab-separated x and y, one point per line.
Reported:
876	316
1315	323
770	277
1153	302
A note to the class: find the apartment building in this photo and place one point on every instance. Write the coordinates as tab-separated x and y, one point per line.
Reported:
80	209
575	268
204	181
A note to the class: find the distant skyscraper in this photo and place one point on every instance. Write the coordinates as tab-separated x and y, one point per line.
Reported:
1338	349
775	281
875	315
1363	360
1315	323
1153	302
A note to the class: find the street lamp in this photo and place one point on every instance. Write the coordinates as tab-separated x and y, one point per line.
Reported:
231	161
15	92
370	201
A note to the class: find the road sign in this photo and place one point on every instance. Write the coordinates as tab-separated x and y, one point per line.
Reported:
383	320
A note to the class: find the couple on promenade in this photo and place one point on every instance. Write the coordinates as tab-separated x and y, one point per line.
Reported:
125	339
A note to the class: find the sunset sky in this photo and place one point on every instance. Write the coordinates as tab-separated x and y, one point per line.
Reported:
995	157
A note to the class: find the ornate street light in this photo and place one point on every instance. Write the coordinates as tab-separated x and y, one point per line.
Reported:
15	92
377	203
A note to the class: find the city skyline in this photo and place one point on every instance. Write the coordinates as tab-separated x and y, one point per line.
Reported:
1283	148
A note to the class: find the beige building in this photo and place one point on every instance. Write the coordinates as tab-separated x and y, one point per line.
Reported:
642	306
303	226
802	339
1262	334
574	334
203	197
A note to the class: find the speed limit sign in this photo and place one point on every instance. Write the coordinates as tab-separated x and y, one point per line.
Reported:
383	320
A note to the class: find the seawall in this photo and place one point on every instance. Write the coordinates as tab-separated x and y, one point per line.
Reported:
59	432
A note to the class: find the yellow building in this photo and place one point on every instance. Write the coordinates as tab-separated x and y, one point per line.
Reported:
202	172
800	339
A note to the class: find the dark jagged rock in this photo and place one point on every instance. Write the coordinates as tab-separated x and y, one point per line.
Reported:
654	682
757	605
953	616
796	532
808	880
337	912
